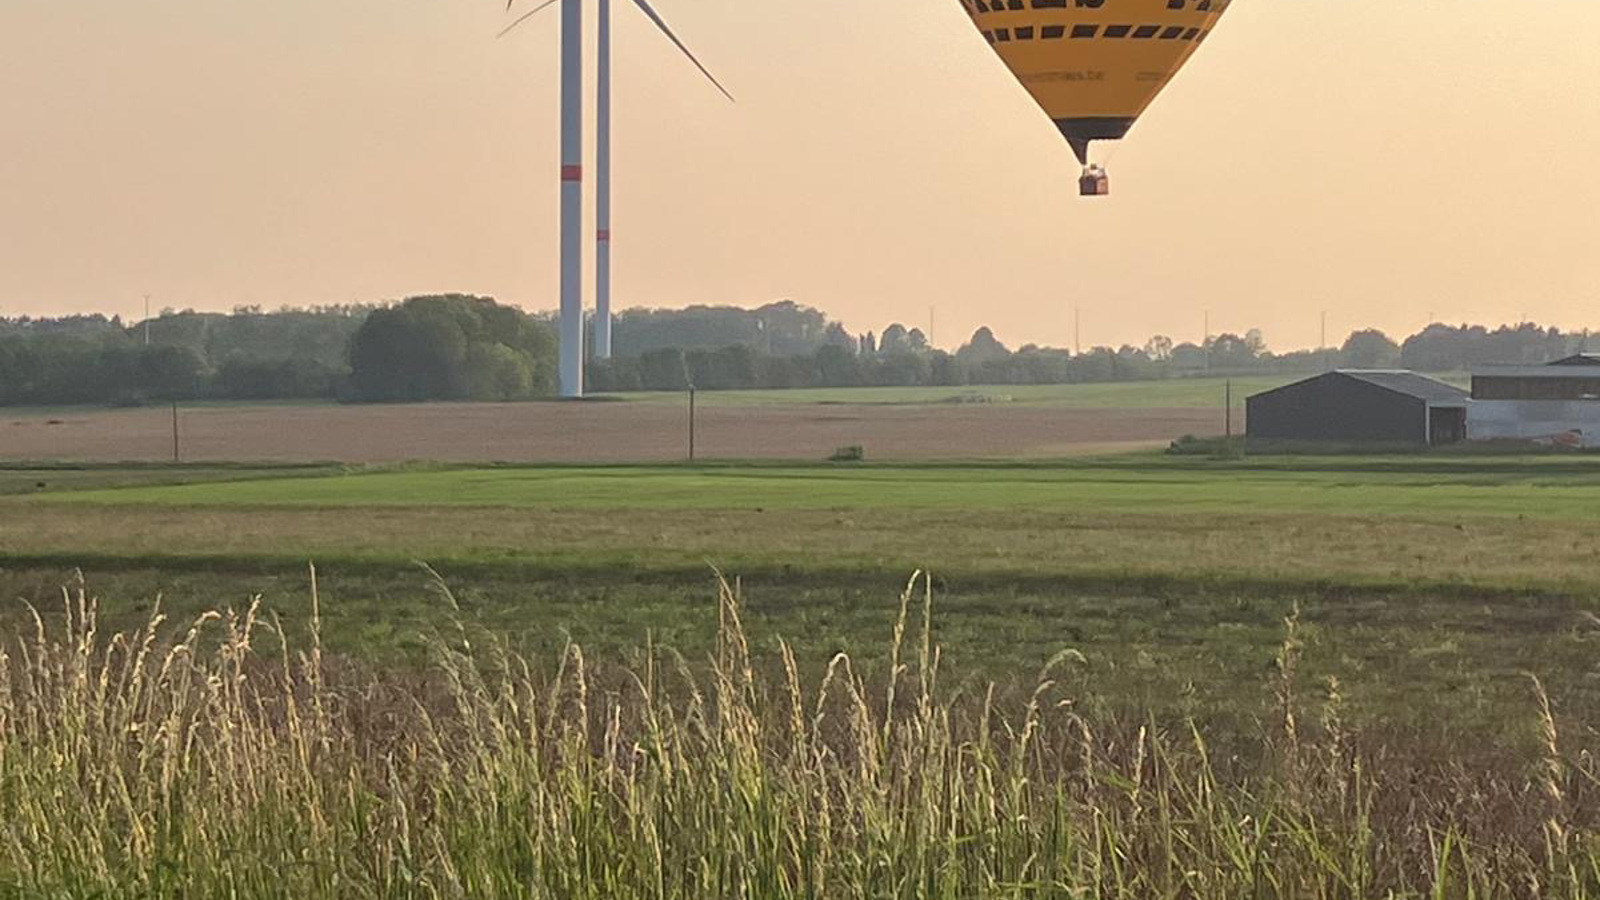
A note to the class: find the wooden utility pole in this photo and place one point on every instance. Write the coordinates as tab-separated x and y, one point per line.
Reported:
691	423
176	455
1227	405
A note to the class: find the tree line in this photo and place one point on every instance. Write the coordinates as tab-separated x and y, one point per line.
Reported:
461	347
245	355
452	347
902	357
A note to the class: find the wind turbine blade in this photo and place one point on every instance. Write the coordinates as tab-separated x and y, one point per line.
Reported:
644	7
525	16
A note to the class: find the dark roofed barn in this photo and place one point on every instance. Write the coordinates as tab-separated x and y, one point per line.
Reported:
1361	406
1579	359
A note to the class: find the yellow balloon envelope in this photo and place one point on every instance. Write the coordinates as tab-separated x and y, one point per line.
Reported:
1094	65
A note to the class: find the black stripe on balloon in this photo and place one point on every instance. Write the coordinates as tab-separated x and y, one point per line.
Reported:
1056	32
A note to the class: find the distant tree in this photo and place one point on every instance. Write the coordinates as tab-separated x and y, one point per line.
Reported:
1370	349
619	373
452	347
782	372
1232	352
789	329
315	339
90	327
1439	348
169	373
1188	357
664	370
1096	364
1040	365
784	328
895	339
982	348
498	372
281	379
12	378
1134	364
945	369
728	368
902	369
835	335
458	347
402	355
838	366
1525	344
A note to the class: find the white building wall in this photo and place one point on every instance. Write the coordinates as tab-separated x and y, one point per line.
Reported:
1534	419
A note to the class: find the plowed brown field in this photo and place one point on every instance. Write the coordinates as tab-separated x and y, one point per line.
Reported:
588	432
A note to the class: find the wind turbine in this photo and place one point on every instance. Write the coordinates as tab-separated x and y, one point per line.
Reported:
572	176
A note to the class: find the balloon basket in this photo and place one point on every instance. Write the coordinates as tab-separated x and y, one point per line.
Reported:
1095	182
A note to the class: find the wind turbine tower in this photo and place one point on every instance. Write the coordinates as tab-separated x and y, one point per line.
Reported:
572	198
602	198
572	344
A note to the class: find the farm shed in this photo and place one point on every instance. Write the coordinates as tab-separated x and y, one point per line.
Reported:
1559	402
1361	405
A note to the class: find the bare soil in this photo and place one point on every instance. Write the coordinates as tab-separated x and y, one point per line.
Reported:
586	432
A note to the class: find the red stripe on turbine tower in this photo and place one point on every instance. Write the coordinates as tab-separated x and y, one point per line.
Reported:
604	234
572	173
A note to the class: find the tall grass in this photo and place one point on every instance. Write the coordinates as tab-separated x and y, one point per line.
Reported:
208	759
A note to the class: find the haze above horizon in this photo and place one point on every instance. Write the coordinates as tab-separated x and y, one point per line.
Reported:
1381	160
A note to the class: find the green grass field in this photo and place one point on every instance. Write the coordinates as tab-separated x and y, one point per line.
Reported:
60	477
1152	675
1143	676
1171	574
1542	487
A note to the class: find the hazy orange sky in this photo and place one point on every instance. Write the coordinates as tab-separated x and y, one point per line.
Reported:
1382	159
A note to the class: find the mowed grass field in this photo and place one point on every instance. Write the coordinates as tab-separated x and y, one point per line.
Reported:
1139	676
1543	487
1419	579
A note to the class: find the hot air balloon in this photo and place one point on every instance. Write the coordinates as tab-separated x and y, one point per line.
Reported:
1094	65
